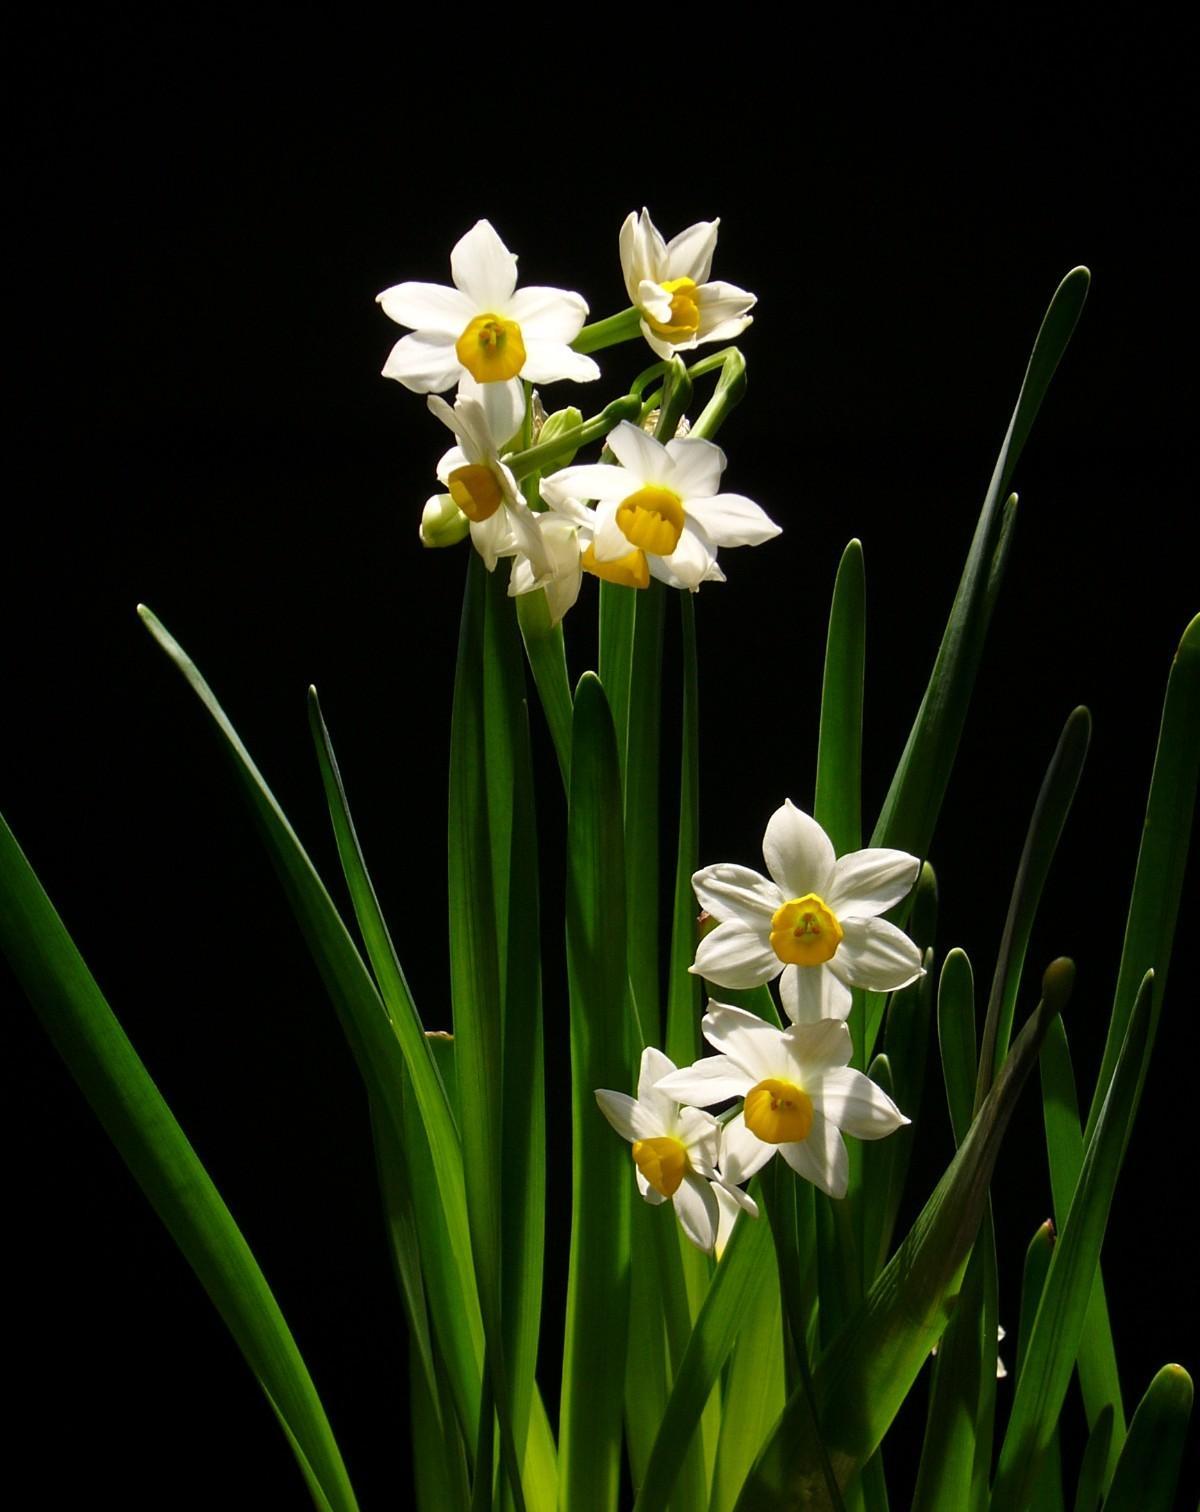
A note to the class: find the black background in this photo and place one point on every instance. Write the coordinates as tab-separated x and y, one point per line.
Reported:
206	215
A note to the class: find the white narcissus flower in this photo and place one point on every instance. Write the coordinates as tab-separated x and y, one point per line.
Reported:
659	513
815	919
799	1091
485	326
668	282
675	1150
483	418
560	536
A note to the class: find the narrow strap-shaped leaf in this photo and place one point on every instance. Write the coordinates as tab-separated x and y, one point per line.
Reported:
747	1266
546	653
642	821
880	1161
910	1015
618	606
437	1486
1148	1470
921	926
1050	1358
753	1395
868	1370
598	1280
1041	841
647	1374
1099	1380
121	1093
477	996
914	799
837	806
1047	1492
444	1241
1162	857
683	992
956	1039
1089	1489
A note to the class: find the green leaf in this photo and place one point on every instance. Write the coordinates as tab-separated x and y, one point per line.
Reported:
866	1373
477	995
683	993
837	806
745	1269
914	799
956	1039
1162	858
1046	1369
1049	816
1089	1491
547	657
754	1392
642	820
1047	1493
1099	1380
598	1278
1148	1470
85	1033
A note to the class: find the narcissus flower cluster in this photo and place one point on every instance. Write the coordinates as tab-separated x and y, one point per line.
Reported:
659	511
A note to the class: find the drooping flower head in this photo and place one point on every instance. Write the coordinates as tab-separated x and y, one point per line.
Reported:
668	282
675	1150
501	523
484	327
815	919
659	513
799	1093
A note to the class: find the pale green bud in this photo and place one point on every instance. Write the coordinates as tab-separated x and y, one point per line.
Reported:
442	522
555	425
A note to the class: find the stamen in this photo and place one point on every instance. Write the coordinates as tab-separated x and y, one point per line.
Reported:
805	931
779	1112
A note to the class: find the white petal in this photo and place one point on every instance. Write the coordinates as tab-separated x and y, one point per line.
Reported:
652	1195
654	300
700	1135
816	1048
692	557
503	406
609	541
468	423
548	361
451	461
493	538
690	254
627	1116
821	1158
631	272
728	891
798	852
734	956
696	1209
753	1045
876	955
698	468
547	314
742	1153
711	1080
484	269
428	307
660	568
726	331
728	1212
594	481
641	455
654	1066
810	993
651	250
867	882
424	362
720	302
853	1102
733	520
659	346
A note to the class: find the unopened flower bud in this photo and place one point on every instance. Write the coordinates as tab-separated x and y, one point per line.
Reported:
442	522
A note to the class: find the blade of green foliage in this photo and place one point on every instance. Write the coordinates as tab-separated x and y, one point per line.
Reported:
597	1286
86	1034
1047	1493
866	1373
453	1298
728	394
1054	1341
477	995
618	606
914	799
910	1016
746	1267
1148	1470
1162	857
880	1161
921	926
1089	1490
513	836
1099	1380
384	1046
754	1392
1041	841
436	1488
837	806
683	992
647	1375
546	653
956	1039
642	820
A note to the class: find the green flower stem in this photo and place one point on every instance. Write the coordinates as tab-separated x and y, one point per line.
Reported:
623	326
626	407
